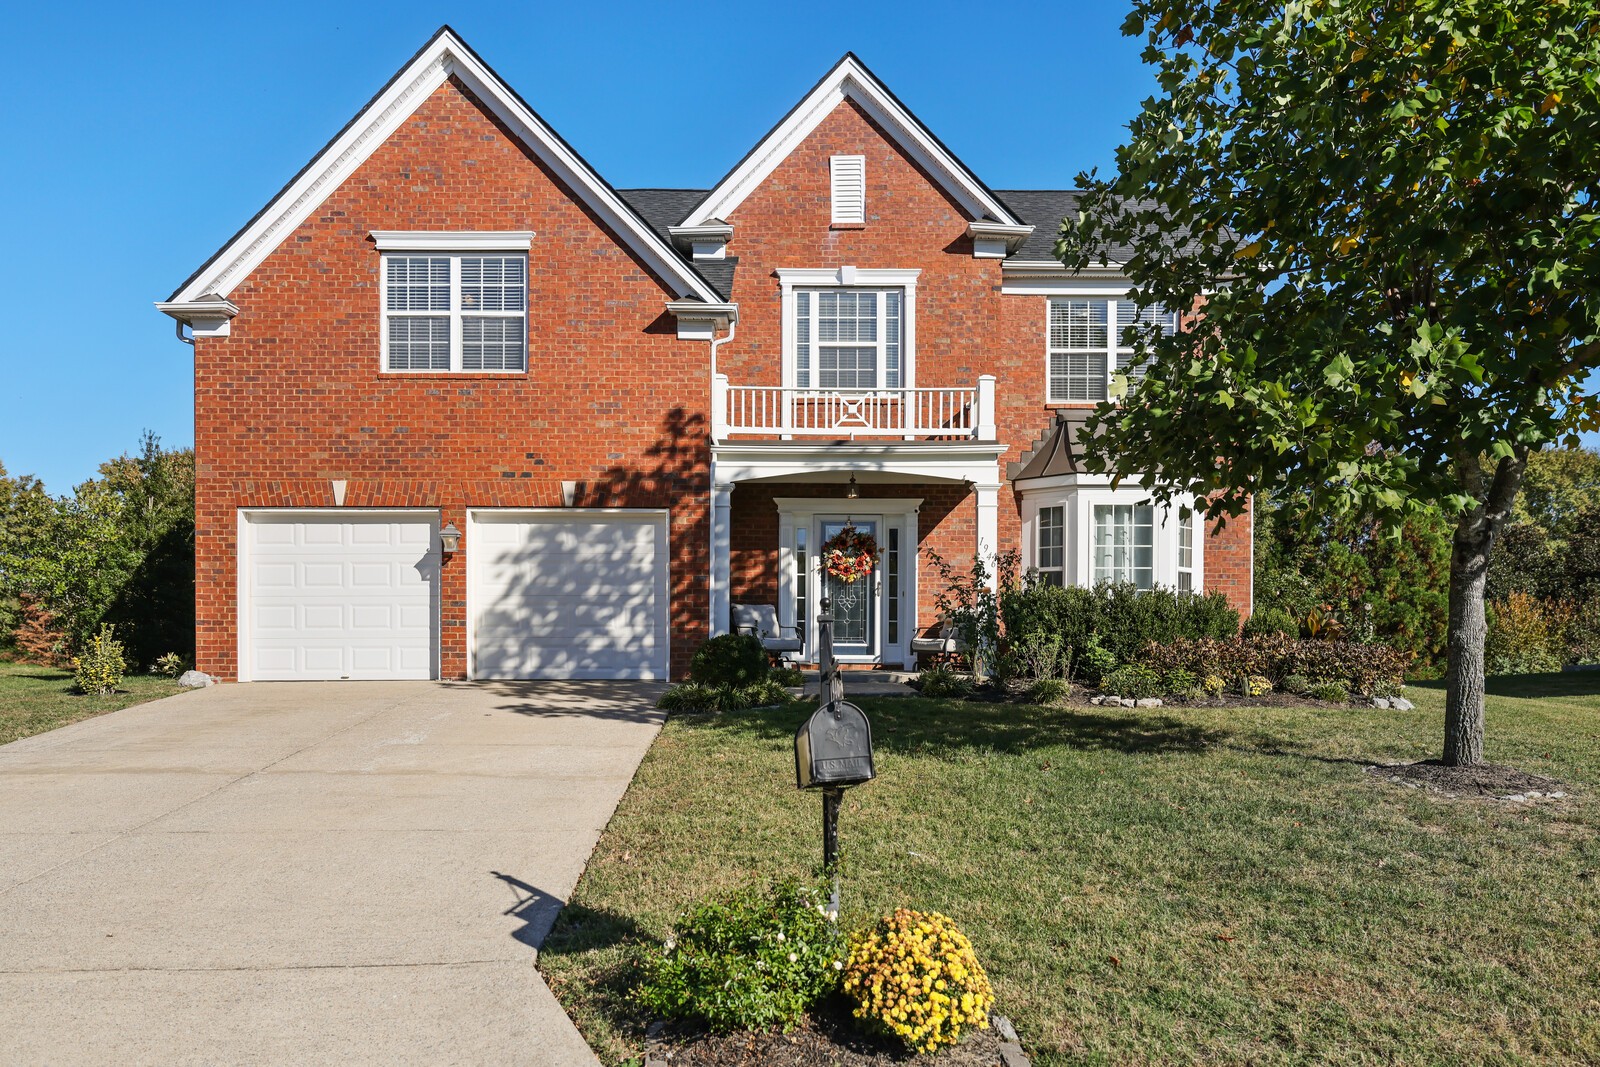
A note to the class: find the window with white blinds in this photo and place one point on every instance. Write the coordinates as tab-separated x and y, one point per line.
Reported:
849	188
455	312
1124	544
1084	350
848	338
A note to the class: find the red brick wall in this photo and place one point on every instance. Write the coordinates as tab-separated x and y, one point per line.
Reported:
1228	562
295	397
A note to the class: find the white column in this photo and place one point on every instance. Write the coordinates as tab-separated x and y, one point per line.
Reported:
719	406
721	555
988	547
984	430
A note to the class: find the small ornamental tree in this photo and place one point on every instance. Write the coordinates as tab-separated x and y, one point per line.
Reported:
1388	212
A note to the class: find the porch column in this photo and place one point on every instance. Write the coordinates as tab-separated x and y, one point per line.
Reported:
721	553
988	548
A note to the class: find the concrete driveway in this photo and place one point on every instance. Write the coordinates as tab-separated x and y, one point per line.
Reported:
305	872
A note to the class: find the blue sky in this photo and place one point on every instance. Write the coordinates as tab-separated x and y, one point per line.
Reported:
140	143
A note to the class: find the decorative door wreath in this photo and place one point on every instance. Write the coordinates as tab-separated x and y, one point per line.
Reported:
849	555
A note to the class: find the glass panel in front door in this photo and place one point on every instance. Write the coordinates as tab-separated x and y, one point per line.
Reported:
854	603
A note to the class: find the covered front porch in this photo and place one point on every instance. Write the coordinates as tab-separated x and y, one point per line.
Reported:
776	503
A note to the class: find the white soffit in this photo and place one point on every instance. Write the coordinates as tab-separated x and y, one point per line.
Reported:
850	80
445	55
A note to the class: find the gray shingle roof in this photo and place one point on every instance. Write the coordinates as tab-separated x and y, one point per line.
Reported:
665	208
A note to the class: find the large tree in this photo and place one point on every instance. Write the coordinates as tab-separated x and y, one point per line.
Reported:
1388	212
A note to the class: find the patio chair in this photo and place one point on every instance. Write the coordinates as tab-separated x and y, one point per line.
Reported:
762	621
945	645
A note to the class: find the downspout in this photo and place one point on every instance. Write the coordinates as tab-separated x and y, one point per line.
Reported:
716	533
178	325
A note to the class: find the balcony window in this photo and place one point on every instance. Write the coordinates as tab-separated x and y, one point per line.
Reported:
848	339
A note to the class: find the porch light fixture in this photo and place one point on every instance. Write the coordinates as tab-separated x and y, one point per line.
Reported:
449	539
850	491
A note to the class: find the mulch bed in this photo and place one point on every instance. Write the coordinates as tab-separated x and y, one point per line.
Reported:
829	1039
1486	781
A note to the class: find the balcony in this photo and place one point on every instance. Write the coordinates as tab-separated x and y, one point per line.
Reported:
910	414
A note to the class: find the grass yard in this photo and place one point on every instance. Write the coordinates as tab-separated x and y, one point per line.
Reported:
36	699
1177	885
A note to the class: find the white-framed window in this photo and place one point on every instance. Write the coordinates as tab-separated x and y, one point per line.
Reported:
455	311
1186	551
1124	544
849	188
848	338
1084	350
1051	556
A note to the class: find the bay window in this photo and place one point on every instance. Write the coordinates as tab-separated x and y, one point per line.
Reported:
1124	544
1051	557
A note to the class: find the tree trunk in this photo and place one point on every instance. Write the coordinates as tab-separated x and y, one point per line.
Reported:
1463	702
1469	572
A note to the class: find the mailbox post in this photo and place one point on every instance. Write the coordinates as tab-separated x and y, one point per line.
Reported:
833	747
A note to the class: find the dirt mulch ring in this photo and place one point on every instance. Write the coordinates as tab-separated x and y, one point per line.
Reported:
1486	781
828	1039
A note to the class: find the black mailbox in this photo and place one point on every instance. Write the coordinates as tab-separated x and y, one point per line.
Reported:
833	747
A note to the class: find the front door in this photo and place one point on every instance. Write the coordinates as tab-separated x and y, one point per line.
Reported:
855	604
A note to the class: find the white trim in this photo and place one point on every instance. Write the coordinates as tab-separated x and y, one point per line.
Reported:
453	240
996	240
849	80
700	321
847	276
444	57
456	314
241	558
709	241
661	516
933	461
822	505
207	316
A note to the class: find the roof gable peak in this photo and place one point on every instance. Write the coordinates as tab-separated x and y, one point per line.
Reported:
445	55
850	79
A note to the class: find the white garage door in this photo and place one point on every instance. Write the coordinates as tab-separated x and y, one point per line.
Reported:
569	596
342	595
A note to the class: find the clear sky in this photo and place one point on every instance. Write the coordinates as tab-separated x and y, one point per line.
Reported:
138	142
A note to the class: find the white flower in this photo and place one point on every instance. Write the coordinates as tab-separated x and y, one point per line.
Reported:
792	957
780	937
670	945
838	965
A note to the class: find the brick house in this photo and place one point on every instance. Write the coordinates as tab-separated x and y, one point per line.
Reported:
464	410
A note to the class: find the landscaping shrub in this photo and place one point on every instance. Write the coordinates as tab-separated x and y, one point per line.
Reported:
1132	681
1527	635
1180	682
788	676
1212	685
1117	616
692	696
1362	666
169	666
941	680
1337	692
99	668
915	976
1096	660
1047	691
729	659
1298	684
756	960
1039	655
1272	621
1254	685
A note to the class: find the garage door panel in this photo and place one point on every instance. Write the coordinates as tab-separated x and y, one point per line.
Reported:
342	596
569	597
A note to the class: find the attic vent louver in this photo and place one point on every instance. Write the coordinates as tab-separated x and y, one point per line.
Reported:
849	189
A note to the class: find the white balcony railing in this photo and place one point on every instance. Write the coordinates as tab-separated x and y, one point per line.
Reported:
786	411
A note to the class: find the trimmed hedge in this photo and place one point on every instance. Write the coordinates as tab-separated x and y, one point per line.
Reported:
1121	618
1365	668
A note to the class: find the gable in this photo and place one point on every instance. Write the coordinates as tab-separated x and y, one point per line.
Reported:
851	81
443	58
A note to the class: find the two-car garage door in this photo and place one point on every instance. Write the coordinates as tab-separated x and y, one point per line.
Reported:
348	594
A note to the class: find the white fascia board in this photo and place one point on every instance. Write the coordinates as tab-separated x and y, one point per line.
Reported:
933	461
206	317
996	240
699	321
849	80
453	240
789	277
1052	278
445	56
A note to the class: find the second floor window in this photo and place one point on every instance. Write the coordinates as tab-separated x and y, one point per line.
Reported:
848	338
1085	350
455	312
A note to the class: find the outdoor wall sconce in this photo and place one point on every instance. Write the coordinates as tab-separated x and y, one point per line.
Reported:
450	539
850	491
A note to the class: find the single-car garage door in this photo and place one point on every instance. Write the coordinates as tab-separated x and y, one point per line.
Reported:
340	595
568	595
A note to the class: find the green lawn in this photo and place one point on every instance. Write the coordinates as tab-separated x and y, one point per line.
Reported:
36	699
1187	885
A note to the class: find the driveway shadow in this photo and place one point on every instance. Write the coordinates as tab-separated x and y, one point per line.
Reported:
614	701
